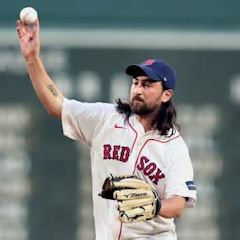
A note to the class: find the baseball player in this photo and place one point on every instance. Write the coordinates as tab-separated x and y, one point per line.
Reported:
142	176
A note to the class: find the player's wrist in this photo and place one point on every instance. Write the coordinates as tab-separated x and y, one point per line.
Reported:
32	59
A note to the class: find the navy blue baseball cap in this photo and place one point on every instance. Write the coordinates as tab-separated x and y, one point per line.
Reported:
155	69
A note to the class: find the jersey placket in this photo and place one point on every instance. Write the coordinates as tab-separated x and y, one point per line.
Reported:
141	138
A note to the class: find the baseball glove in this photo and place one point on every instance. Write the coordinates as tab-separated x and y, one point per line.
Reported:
136	200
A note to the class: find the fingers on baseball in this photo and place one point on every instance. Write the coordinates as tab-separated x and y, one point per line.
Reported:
19	29
23	29
36	27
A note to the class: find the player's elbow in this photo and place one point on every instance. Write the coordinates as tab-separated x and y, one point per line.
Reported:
54	113
174	213
172	207
178	213
54	110
178	210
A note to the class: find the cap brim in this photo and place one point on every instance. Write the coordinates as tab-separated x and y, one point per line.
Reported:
134	70
139	70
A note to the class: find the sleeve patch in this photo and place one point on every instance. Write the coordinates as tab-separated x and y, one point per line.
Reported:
191	185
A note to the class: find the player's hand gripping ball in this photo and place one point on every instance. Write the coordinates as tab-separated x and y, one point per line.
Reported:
28	15
136	199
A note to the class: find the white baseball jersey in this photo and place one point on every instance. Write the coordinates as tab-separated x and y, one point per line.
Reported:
120	146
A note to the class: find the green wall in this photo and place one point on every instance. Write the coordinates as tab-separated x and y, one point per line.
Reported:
206	14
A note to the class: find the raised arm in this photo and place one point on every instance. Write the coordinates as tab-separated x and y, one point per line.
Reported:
45	88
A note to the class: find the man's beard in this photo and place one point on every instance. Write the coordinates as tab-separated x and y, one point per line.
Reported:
139	107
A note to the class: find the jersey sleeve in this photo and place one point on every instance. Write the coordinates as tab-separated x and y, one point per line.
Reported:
179	174
82	121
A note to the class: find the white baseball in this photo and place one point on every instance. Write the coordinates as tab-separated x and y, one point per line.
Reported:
28	15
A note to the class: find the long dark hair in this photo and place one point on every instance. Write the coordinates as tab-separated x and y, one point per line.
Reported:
165	120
